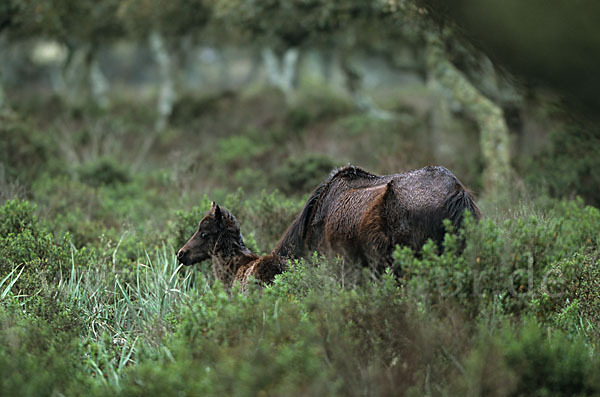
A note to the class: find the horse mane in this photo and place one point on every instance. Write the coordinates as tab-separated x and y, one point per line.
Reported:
459	202
295	235
350	172
293	240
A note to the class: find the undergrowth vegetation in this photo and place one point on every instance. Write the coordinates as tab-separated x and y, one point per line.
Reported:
93	301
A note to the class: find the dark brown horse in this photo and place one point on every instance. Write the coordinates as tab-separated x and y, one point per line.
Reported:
219	237
362	217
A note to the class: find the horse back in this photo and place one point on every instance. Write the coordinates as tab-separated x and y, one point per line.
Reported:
376	213
360	215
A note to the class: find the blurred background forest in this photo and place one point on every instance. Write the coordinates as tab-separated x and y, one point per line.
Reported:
488	93
121	119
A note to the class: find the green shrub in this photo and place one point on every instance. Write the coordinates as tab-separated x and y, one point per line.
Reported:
267	216
551	365
26	244
189	109
305	333
316	107
94	311
250	179
39	360
302	174
568	164
101	216
570	299
223	344
509	263
234	151
25	151
16	216
104	171
530	361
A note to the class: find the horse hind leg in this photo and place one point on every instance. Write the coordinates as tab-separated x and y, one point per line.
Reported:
375	241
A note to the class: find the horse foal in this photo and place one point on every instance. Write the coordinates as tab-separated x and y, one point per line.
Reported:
219	238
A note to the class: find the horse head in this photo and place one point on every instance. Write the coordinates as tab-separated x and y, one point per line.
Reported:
217	235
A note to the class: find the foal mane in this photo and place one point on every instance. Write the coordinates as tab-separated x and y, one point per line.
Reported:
293	240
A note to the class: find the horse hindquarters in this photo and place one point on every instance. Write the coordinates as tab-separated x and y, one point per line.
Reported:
376	238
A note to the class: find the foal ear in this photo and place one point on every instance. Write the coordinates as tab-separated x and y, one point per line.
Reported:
217	211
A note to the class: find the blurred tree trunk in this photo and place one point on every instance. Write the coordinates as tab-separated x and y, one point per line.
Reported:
72	85
79	79
440	122
2	98
327	64
253	71
282	70
494	138
183	80
57	79
166	91
353	81
2	66
98	82
225	80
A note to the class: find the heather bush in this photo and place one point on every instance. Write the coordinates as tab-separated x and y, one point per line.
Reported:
568	162
24	149
38	359
303	174
529	360
510	262
104	171
94	302
27	247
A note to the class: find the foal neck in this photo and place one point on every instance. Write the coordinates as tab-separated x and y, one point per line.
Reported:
242	258
226	266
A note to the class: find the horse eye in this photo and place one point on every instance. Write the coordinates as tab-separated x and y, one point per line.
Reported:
203	235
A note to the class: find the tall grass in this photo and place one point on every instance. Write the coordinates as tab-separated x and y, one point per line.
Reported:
120	310
7	282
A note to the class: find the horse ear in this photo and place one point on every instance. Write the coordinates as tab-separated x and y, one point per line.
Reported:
217	211
389	190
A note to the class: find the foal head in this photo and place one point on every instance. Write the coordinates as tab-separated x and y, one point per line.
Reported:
218	236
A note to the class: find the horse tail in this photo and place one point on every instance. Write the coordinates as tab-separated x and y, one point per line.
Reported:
457	203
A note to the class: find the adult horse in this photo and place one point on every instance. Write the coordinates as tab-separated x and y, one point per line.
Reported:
362	217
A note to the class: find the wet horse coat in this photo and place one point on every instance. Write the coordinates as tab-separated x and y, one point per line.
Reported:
362	217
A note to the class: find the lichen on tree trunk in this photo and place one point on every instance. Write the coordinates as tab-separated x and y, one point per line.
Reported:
2	101
494	137
282	70
166	91
354	84
98	83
